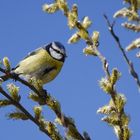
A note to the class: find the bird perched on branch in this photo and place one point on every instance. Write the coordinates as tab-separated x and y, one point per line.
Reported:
44	64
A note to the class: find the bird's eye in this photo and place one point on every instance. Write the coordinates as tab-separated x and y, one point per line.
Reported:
58	51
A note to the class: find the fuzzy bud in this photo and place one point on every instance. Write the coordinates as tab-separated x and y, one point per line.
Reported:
4	103
106	109
62	4
13	90
53	104
120	101
114	76
74	38
89	50
37	111
75	10
105	85
130	14
111	119
130	26
72	17
95	38
86	22
18	116
6	63
135	44
134	4
50	8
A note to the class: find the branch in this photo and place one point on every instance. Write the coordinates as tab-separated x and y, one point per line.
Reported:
46	99
92	49
21	108
15	77
117	40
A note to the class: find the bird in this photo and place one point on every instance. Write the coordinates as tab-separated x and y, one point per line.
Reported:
44	64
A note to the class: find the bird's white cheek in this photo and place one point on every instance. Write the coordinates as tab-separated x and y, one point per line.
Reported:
56	55
59	56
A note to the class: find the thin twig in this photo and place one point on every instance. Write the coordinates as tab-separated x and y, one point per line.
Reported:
117	40
113	93
104	63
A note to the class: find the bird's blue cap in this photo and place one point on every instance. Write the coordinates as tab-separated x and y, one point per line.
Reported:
59	44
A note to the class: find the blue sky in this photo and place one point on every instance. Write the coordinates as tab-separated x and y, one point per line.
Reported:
25	27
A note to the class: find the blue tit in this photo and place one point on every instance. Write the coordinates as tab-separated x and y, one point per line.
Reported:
44	63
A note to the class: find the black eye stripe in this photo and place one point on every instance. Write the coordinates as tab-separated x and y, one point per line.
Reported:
57	51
